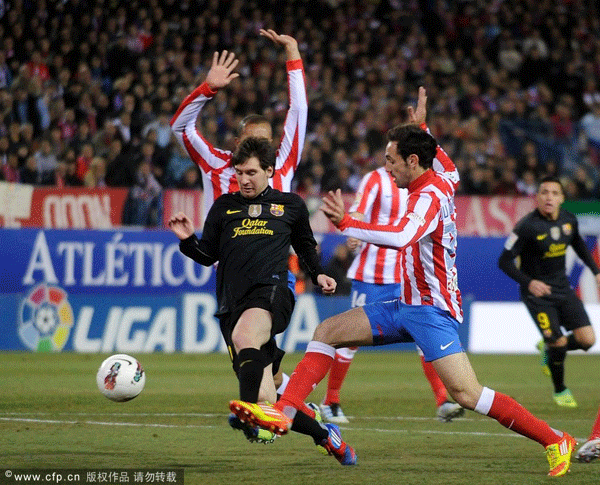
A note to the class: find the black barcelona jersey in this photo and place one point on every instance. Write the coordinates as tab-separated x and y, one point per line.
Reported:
251	238
542	244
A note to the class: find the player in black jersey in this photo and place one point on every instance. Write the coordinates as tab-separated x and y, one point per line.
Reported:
541	240
249	233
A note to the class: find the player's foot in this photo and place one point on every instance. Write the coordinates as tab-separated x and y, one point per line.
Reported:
332	413
335	445
564	399
315	408
541	346
559	455
252	434
262	415
589	451
448	411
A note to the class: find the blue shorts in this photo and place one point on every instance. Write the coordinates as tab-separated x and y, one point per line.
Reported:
432	329
365	293
292	282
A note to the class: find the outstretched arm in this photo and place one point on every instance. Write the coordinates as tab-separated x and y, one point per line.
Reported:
417	223
294	128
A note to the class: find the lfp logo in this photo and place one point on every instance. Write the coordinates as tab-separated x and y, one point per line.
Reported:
45	319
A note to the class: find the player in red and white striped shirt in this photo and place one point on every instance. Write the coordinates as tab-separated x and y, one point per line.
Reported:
218	176
377	273
427	234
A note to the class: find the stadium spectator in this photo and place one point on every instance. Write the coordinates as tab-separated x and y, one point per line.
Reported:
131	63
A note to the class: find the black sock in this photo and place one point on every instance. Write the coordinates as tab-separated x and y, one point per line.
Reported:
306	425
251	363
572	343
556	363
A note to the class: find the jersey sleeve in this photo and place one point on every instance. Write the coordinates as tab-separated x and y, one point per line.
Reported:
294	129
421	219
582	250
205	251
304	244
512	248
183	126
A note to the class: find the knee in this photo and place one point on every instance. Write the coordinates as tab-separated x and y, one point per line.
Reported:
588	343
240	339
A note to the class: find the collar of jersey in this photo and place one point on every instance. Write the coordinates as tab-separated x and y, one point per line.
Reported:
262	194
421	181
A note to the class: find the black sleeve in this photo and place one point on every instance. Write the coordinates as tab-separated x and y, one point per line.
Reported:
582	250
512	248
303	242
204	251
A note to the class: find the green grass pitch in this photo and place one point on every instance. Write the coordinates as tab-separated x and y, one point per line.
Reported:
53	416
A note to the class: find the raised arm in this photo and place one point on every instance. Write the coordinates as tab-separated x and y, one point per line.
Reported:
183	123
442	162
294	129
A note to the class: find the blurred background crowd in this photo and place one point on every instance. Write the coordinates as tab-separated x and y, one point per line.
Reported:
87	88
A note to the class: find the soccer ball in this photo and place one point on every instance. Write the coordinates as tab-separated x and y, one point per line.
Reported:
121	378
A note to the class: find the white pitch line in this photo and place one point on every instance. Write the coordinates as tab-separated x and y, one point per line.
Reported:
158	425
105	423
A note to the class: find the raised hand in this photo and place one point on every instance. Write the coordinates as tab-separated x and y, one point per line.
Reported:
221	71
419	116
290	44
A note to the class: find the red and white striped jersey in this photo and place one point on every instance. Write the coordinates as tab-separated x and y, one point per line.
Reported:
380	202
426	235
218	176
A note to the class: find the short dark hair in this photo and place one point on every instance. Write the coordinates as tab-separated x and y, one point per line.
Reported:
260	148
411	139
553	179
252	119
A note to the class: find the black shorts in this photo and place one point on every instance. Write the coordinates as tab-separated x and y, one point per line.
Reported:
277	299
552	313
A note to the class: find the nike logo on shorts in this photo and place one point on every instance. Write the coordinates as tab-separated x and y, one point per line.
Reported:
444	347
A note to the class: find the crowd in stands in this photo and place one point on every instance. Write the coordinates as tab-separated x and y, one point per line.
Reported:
87	88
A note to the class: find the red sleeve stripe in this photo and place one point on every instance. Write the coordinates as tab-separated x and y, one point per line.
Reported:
199	160
203	89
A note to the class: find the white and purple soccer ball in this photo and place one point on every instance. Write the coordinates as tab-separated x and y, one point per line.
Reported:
121	377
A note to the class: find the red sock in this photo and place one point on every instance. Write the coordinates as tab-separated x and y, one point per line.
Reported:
311	370
337	374
437	386
510	414
596	428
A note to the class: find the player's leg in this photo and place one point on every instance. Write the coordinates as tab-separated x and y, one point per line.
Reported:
361	294
574	317
252	331
330	407
459	378
548	320
446	410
